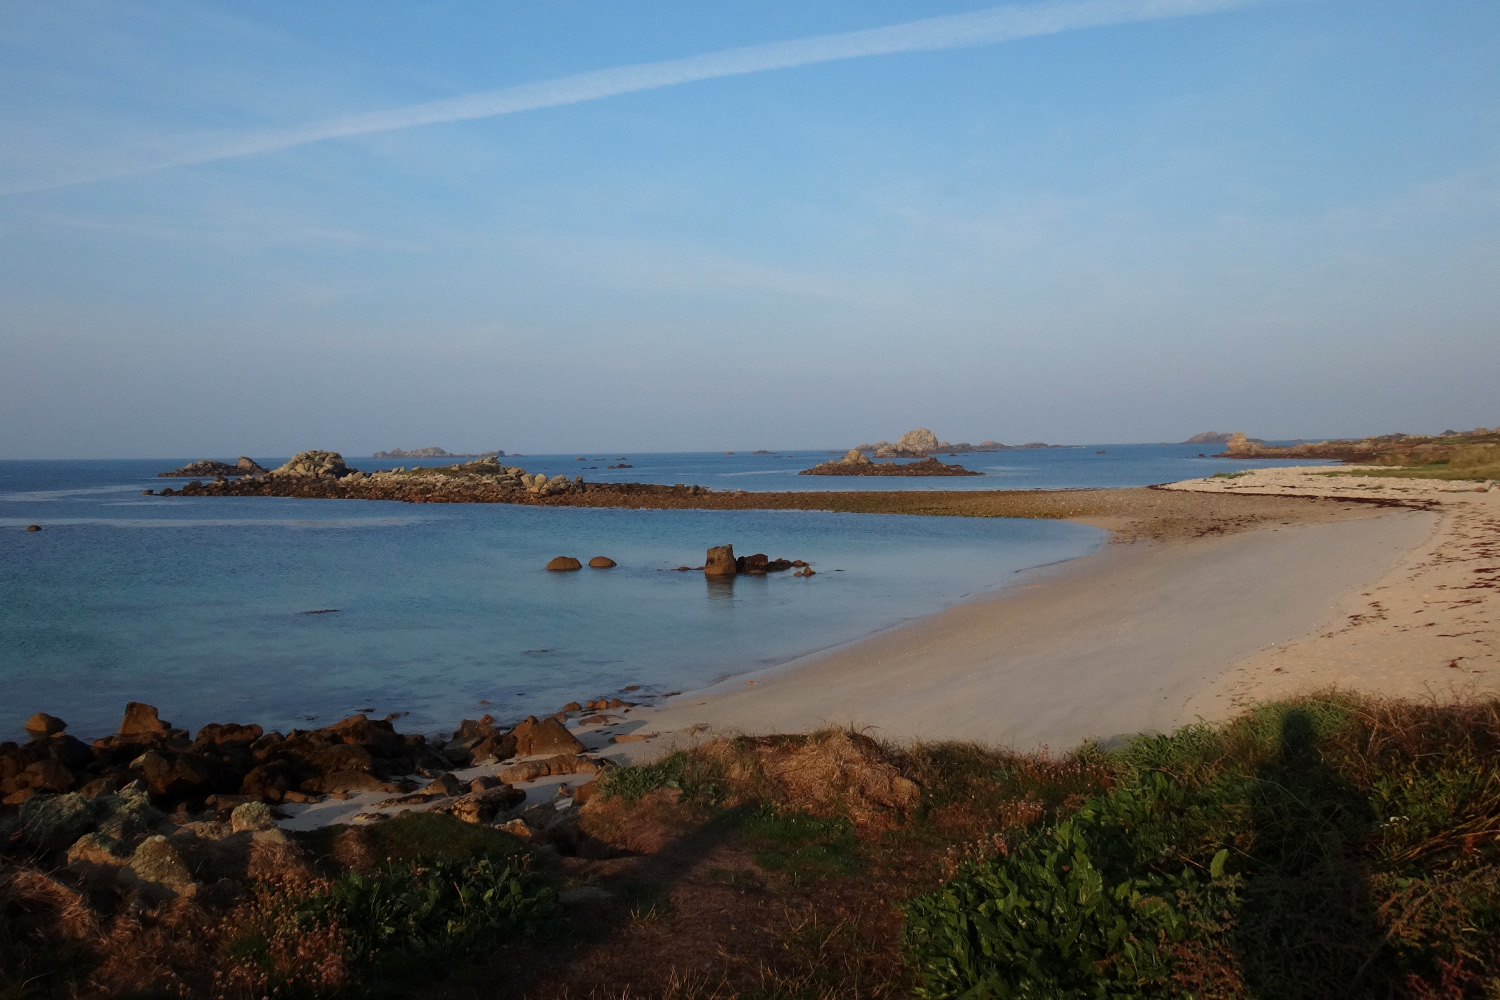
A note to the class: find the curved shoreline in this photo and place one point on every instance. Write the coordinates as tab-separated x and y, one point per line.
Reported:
1185	621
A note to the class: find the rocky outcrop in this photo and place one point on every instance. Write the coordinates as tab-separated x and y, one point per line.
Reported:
318	464
921	443
925	467
602	562
210	469
720	561
564	564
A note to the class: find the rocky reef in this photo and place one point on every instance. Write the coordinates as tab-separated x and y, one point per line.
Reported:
213	469
857	464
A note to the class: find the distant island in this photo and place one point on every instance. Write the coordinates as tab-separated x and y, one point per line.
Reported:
856	463
921	443
1209	437
435	453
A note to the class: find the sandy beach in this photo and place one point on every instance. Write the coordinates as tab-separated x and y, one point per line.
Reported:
1205	603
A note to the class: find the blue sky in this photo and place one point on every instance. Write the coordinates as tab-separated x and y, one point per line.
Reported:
1282	218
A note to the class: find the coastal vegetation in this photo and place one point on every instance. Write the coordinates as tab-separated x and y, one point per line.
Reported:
1323	846
1451	455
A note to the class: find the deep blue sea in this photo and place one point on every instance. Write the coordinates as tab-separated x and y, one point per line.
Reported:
200	605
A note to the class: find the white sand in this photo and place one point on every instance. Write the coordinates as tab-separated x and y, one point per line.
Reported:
1117	642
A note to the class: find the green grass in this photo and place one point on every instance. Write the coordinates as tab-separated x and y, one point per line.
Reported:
418	837
1431	470
1316	848
804	848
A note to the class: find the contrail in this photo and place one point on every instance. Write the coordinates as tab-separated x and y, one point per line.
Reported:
983	27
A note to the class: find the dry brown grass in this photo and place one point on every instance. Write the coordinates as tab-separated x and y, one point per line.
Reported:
834	772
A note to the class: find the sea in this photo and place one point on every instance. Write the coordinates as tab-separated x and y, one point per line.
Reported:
294	613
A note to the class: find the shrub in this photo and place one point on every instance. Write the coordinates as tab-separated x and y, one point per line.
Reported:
1077	911
369	928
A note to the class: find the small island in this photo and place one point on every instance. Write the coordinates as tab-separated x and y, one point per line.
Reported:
856	463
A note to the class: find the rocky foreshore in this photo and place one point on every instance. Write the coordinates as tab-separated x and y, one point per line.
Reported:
227	764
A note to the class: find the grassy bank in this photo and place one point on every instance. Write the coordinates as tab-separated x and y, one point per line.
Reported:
1323	847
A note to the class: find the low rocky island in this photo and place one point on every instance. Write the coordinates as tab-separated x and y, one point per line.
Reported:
435	453
208	467
856	463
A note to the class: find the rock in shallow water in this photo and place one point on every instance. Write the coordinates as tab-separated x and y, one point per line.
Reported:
42	724
720	561
564	564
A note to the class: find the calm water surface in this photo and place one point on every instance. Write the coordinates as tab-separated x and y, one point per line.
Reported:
200	605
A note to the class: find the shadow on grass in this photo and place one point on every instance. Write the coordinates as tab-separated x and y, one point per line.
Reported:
1307	925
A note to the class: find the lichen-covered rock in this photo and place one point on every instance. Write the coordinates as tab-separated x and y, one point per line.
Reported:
127	814
52	822
323	464
158	871
251	816
98	849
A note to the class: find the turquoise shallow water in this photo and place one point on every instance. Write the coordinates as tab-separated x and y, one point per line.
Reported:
198	605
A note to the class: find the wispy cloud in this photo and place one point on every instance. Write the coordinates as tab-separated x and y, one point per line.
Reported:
984	27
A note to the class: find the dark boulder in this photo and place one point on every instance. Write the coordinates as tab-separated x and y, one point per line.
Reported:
176	776
227	735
